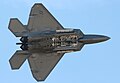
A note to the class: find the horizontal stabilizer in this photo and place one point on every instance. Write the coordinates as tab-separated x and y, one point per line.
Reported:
18	59
16	27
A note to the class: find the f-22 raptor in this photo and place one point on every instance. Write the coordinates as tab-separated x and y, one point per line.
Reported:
44	41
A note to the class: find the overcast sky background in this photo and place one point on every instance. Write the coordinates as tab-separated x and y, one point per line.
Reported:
97	63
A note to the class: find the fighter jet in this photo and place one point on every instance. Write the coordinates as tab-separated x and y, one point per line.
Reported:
44	41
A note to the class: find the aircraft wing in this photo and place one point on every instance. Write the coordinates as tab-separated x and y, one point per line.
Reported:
41	64
40	19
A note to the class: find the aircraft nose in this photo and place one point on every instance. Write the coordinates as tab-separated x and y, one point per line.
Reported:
89	39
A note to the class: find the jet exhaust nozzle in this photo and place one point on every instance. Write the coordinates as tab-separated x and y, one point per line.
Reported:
24	43
24	39
24	47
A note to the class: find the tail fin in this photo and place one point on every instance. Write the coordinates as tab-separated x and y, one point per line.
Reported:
16	27
18	59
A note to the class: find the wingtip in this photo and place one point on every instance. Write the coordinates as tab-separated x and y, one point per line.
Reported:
37	4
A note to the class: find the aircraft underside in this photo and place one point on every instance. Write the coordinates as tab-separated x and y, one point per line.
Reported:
44	41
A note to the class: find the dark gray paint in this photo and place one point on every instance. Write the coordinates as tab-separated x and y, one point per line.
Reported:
44	41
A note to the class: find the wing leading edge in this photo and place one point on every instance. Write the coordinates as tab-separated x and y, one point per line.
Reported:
42	64
40	19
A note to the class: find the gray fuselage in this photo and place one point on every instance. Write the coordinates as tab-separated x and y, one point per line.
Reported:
60	41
